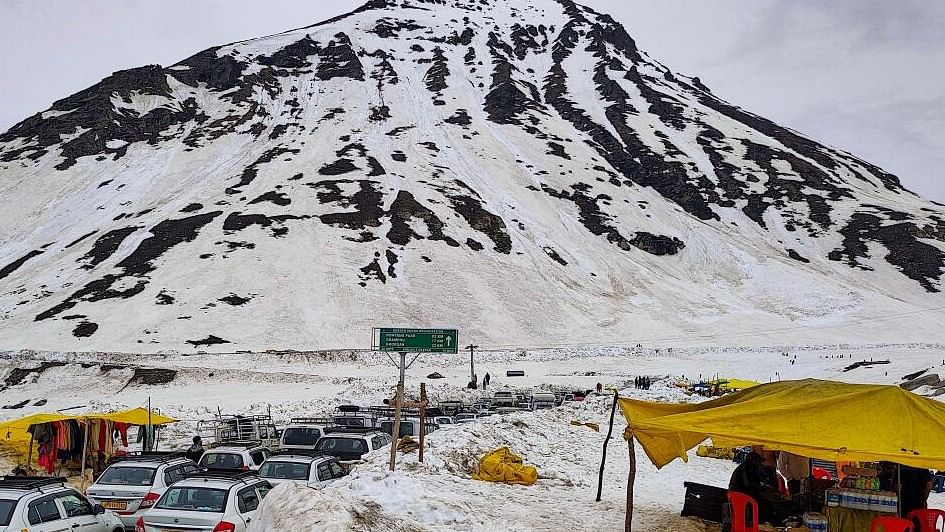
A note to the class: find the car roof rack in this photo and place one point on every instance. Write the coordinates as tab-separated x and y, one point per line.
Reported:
29	483
349	408
350	430
312	420
148	456
222	474
309	453
237	443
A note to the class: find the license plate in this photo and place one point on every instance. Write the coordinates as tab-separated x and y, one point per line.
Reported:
115	505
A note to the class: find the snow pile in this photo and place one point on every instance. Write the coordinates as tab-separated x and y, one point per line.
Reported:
440	495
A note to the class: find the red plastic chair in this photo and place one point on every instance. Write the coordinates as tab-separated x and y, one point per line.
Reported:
891	524
821	474
742	520
928	520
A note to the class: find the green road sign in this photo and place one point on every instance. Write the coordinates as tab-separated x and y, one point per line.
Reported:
415	340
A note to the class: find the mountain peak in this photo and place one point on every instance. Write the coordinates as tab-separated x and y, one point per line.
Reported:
509	167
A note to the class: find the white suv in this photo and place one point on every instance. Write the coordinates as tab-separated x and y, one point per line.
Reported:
306	469
131	485
349	444
42	504
215	501
303	433
235	456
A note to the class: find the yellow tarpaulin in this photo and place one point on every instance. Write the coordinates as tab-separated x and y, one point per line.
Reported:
818	419
15	436
502	465
735	384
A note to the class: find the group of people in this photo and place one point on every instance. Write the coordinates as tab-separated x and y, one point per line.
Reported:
642	383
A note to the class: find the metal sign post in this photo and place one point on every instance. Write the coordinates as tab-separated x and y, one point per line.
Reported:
405	341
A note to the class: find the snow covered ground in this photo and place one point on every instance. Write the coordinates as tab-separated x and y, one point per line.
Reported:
439	494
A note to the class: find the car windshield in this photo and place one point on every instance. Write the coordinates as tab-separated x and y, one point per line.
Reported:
212	460
285	470
127	476
342	445
6	511
300	436
194	499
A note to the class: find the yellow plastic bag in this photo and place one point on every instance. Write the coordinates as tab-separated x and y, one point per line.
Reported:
502	465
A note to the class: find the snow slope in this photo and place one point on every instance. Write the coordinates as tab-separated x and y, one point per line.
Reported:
518	169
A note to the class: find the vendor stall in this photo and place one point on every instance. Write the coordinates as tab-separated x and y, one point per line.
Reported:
861	427
53	442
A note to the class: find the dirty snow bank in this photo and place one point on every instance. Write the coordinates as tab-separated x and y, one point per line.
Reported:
440	495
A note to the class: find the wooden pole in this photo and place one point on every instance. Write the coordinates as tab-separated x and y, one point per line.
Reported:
423	416
631	478
85	446
398	403
603	458
29	455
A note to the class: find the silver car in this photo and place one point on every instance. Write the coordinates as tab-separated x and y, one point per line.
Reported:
211	501
130	486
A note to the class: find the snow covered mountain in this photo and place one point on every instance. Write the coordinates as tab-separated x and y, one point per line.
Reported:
516	168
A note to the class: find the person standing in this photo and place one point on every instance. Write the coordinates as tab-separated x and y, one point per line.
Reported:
195	451
915	486
486	380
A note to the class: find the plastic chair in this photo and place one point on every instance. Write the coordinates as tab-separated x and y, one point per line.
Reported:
742	519
927	520
891	524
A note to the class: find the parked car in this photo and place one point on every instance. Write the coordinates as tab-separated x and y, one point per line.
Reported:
303	433
466	417
349	444
298	467
443	421
408	426
503	398
543	400
235	455
354	416
45	504
217	501
131	485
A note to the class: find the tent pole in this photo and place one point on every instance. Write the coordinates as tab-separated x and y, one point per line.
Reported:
85	446
631	478
603	458
29	455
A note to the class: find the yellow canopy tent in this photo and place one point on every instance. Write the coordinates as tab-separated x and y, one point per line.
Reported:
818	419
16	438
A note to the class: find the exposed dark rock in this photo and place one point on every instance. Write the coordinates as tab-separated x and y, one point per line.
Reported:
460	118
294	55
279	198
435	78
106	246
18	375
163	298
209	340
380	114
236	221
15	265
339	167
156	376
80	239
921	262
338	60
84	329
235	300
797	256
554	255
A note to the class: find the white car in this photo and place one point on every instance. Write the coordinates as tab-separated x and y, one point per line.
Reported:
313	470
303	433
465	417
131	485
43	504
235	456
349	444
214	501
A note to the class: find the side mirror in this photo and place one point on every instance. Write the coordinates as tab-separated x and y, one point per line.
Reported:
98	509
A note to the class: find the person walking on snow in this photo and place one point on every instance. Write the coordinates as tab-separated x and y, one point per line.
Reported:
195	451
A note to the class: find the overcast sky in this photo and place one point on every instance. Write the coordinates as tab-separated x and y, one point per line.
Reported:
867	76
